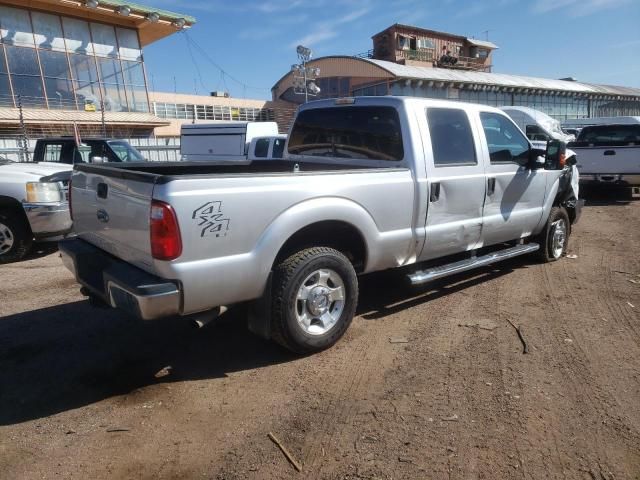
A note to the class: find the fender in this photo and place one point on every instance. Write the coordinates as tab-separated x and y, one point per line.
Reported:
549	201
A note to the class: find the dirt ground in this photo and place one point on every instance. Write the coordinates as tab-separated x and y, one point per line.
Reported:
428	383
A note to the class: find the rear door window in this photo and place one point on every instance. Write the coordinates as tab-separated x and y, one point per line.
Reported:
451	137
371	133
278	147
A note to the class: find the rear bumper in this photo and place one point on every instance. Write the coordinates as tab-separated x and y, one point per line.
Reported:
120	284
619	179
48	221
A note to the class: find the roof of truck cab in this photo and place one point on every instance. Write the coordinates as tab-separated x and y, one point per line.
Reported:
395	100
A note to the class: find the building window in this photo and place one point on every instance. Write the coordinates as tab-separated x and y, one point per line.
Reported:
40	47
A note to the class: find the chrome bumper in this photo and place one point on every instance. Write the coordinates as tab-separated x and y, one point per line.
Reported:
120	284
48	220
619	179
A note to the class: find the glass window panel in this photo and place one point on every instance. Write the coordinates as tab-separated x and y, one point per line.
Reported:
48	31
30	89
83	69
133	73
128	43
15	27
104	40
6	100
77	37
54	64
114	98
60	93
22	61
110	71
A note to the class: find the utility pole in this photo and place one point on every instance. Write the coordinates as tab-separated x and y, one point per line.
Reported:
104	125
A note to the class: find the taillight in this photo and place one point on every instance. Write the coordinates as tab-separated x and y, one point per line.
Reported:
166	243
69	199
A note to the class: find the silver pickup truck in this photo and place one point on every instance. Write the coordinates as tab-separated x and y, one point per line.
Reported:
368	184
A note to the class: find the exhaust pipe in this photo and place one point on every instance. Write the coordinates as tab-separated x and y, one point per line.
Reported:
205	318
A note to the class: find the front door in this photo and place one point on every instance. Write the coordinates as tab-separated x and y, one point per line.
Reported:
456	184
515	193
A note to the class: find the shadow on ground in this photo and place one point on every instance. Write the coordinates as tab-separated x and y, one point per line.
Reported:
68	356
601	195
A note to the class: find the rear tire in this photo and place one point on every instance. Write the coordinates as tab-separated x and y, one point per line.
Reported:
315	293
554	239
15	237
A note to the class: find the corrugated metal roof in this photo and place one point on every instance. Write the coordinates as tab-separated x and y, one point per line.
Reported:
500	79
482	43
136	7
11	115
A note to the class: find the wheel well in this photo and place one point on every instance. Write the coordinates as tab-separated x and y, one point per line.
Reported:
9	204
342	236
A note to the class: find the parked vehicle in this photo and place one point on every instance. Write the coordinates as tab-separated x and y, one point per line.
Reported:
609	154
267	148
91	150
222	142
588	122
368	183
33	206
538	126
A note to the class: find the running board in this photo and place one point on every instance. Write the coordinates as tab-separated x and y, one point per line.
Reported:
429	274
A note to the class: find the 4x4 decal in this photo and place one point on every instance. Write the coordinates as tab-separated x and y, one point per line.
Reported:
209	218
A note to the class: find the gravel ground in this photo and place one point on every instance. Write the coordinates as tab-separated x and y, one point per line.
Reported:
429	382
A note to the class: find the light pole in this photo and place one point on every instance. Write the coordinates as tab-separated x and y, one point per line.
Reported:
303	77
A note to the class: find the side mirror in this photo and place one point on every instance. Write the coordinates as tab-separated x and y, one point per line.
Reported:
98	159
556	155
536	158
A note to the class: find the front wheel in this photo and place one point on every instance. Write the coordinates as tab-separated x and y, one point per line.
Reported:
554	239
15	237
315	293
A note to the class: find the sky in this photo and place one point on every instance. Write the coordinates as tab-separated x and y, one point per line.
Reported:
254	42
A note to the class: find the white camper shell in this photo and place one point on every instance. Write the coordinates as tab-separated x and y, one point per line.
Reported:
224	142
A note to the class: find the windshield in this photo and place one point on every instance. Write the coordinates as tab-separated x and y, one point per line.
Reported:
610	134
125	152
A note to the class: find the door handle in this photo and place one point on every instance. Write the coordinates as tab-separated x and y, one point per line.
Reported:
435	192
609	152
491	185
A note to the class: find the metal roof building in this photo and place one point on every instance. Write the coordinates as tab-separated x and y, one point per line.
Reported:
561	99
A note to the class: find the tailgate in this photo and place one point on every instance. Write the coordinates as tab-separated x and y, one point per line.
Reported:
608	160
111	211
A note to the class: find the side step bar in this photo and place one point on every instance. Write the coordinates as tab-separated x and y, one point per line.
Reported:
429	274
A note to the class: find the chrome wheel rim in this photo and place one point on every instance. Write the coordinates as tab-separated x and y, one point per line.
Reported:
320	301
6	238
558	237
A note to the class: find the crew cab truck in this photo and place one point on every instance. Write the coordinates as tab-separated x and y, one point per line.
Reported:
609	155
368	184
33	206
91	150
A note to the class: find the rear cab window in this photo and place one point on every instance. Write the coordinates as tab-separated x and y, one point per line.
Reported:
451	137
278	147
357	132
609	135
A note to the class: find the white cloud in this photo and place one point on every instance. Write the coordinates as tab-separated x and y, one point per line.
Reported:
326	30
578	8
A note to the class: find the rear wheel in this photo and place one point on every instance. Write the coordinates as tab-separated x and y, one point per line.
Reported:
15	237
554	239
315	293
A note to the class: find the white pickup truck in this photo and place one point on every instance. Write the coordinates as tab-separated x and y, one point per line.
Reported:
368	183
609	154
33	206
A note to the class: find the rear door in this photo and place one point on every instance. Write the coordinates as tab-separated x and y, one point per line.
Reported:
515	193
456	183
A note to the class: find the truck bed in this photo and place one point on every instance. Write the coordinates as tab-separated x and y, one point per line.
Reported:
157	172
